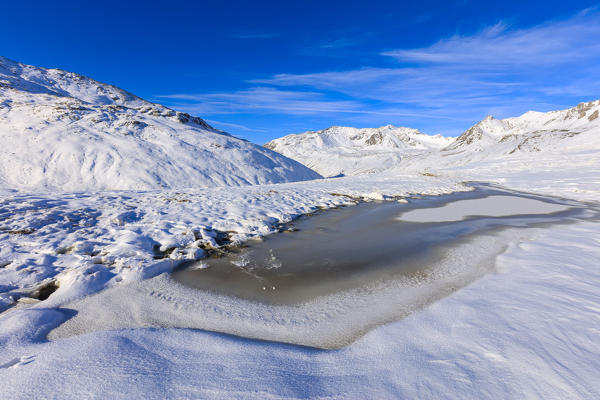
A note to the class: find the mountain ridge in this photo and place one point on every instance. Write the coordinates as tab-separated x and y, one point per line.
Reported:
69	132
348	151
572	121
490	138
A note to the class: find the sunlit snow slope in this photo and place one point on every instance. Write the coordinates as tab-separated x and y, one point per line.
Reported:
351	151
534	139
63	131
565	131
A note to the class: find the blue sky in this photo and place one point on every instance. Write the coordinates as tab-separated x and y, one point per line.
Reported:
261	70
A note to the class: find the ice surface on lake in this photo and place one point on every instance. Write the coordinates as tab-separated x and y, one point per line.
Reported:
324	303
492	206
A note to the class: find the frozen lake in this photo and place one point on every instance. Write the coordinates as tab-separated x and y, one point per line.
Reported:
331	277
346	248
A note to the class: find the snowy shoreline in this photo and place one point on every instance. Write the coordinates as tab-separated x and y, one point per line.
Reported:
90	241
528	330
86	242
496	336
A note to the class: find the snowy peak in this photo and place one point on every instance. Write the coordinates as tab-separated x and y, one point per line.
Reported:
70	132
487	130
582	117
386	137
549	127
57	82
75	89
349	151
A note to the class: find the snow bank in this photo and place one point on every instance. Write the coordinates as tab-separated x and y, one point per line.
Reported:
88	241
535	338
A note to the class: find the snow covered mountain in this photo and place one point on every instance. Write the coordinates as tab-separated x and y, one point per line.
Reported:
63	131
563	130
351	151
537	136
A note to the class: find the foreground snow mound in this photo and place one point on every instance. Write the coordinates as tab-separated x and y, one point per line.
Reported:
69	132
81	243
351	151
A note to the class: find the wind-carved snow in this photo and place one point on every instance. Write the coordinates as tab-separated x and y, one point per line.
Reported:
350	151
64	131
527	331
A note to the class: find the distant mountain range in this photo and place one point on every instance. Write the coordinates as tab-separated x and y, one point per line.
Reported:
63	131
351	151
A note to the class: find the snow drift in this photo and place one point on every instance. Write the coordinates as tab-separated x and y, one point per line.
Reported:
64	131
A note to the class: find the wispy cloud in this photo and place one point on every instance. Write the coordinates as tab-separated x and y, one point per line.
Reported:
552	44
497	70
267	100
496	67
339	42
229	125
263	99
256	35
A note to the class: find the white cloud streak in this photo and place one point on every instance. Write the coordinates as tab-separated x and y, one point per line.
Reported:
256	35
266	99
490	68
552	44
461	78
229	125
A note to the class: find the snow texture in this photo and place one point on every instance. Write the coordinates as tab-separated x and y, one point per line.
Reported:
529	330
350	151
536	337
63	131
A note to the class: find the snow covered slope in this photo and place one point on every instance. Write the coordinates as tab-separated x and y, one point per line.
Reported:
63	131
555	150
567	130
351	151
533	139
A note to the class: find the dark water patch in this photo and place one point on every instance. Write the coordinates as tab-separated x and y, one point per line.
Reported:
340	274
44	291
349	247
